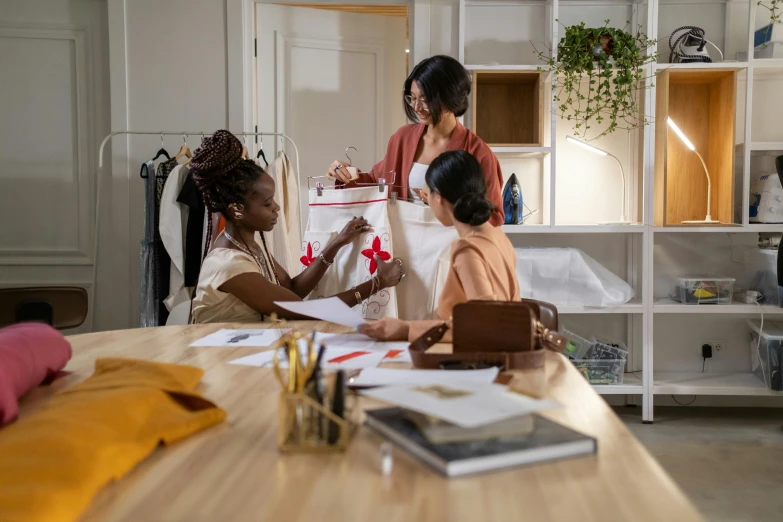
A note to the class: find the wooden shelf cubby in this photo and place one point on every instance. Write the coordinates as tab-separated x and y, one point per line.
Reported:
508	108
702	103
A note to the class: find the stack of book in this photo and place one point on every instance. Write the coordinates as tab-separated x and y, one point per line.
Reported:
460	429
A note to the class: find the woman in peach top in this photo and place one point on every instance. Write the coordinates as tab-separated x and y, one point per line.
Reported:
483	263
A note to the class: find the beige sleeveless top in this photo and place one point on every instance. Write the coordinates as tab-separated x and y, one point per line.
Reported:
213	306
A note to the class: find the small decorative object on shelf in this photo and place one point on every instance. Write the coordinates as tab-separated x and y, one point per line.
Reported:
309	418
599	72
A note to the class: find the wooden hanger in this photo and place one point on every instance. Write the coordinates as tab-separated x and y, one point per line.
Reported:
184	150
245	154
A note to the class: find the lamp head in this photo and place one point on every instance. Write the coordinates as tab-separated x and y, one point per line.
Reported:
680	134
587	146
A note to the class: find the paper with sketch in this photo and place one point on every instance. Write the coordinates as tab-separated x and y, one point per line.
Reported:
333	359
464	404
331	309
390	376
228	337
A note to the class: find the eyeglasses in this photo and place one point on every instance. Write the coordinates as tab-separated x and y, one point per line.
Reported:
413	102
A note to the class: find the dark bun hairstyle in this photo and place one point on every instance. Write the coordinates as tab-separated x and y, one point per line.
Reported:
445	84
222	176
457	176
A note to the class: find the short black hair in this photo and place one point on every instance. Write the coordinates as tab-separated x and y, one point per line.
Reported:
458	177
445	84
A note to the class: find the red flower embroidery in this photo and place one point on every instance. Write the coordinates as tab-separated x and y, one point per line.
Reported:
307	260
370	254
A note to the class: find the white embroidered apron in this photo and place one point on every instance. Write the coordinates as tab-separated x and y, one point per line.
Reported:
355	263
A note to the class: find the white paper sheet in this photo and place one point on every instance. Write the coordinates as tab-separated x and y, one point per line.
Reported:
333	359
390	376
228	337
331	309
464	404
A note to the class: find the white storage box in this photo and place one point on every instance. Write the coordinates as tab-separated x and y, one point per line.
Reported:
765	356
770	50
704	290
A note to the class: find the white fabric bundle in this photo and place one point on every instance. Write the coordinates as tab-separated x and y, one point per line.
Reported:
354	264
285	240
424	245
568	276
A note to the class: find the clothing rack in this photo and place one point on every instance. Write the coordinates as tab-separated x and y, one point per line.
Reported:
281	135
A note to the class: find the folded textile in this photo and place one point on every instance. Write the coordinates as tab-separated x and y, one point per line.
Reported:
30	354
53	462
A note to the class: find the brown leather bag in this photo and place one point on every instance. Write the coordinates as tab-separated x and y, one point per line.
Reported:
513	335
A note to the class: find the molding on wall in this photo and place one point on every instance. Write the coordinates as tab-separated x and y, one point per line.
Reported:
84	163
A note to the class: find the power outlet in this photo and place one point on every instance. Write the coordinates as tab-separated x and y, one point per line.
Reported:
717	346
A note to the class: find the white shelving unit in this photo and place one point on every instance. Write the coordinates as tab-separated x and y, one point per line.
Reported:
571	188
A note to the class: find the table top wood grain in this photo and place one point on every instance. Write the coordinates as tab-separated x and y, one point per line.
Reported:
233	472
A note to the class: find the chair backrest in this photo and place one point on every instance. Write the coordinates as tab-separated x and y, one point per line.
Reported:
179	314
59	306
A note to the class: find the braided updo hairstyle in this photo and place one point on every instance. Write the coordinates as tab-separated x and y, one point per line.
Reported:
222	176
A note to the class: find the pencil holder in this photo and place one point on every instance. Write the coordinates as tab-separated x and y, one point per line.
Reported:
305	426
307	419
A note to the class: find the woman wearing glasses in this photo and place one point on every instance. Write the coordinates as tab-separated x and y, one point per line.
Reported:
436	94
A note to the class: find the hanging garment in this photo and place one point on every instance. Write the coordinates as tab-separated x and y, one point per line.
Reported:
163	267
354	264
173	223
424	245
56	459
148	309
285	241
190	197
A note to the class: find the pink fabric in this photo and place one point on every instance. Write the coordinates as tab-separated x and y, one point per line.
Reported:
30	354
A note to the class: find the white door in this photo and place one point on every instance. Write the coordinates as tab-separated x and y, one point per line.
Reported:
330	80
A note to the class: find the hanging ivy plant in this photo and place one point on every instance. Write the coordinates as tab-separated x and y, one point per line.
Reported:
598	74
775	8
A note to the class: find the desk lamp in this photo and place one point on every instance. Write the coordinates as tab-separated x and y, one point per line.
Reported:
688	144
600	152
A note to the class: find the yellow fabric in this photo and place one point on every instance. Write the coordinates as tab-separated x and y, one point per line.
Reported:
53	462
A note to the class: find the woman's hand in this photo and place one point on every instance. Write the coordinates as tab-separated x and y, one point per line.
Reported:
339	170
351	231
422	196
389	273
386	329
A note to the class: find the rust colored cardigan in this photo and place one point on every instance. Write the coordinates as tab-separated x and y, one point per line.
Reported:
402	149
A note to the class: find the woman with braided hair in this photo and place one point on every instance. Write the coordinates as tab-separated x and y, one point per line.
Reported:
239	280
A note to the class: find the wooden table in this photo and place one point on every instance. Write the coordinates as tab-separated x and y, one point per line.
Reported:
233	472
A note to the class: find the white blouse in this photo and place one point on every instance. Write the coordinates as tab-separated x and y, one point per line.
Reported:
416	180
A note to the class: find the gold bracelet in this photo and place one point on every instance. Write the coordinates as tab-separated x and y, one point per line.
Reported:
324	261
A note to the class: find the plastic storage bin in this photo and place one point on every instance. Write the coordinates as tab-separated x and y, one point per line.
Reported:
704	290
576	345
601	371
766	356
603	363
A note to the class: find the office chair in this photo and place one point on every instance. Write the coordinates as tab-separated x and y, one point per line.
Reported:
62	307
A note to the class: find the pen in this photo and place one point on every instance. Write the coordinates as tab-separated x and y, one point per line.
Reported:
338	406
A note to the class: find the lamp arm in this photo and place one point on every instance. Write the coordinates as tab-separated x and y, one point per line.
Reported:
622	175
709	186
